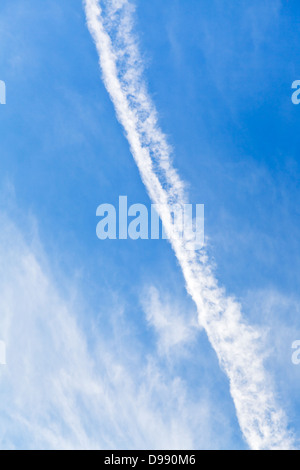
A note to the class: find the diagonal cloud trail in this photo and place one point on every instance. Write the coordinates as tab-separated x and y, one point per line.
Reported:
237	345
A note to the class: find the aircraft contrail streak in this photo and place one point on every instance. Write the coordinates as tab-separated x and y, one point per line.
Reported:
237	345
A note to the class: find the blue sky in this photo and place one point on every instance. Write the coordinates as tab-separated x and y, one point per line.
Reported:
91	324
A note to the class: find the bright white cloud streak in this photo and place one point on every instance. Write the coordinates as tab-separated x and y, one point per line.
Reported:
237	345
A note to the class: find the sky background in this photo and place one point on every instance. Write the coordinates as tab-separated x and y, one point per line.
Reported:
103	347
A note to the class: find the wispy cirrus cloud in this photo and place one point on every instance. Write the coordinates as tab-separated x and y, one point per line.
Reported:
238	346
59	392
175	329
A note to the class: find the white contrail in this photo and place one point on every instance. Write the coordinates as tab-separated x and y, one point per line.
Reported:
237	345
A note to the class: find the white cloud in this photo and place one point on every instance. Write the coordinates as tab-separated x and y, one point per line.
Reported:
59	393
174	328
